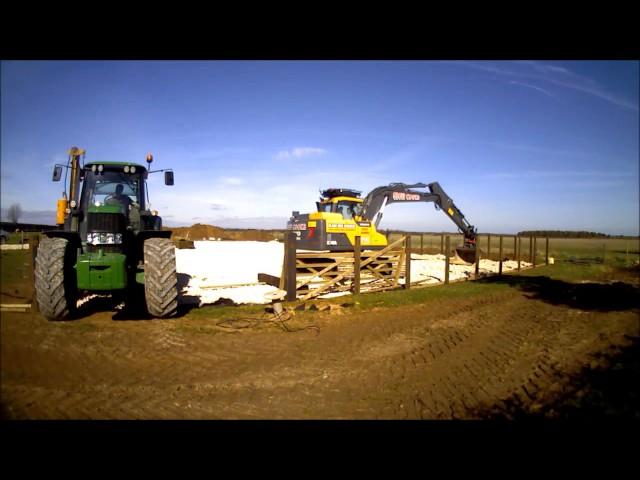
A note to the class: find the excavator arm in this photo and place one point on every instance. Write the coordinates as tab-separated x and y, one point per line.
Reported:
374	203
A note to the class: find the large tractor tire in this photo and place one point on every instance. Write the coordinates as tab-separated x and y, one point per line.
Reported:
55	279
160	278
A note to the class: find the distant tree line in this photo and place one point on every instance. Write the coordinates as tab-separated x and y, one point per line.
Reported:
563	234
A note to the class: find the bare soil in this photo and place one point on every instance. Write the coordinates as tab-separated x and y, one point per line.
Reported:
205	232
535	349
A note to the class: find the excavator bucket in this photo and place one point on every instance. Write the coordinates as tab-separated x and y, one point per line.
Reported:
466	254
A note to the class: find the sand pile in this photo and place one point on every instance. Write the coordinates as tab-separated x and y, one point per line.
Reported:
216	270
201	231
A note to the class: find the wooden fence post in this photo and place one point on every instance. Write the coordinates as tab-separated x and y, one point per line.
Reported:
489	246
519	249
530	249
421	243
356	266
407	262
534	250
477	259
515	246
446	261
546	251
500	253
34	244
441	243
290	266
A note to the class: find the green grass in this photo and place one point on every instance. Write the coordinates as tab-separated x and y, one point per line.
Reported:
16	238
396	298
15	275
14	266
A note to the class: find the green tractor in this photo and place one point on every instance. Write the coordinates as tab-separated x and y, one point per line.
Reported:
107	241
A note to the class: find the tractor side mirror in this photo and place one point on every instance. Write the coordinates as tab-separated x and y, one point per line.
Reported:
57	173
168	178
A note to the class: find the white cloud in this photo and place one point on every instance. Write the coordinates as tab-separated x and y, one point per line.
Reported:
513	82
559	76
232	181
558	174
299	152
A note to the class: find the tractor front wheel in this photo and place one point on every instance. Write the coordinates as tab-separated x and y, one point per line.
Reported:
55	280
160	278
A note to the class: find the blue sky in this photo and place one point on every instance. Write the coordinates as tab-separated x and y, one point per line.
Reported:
517	145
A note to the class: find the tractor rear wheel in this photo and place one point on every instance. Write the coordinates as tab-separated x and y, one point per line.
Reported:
55	279
160	278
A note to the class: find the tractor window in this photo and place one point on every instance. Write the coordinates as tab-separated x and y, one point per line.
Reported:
111	188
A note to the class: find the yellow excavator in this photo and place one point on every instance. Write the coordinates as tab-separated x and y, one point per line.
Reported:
342	214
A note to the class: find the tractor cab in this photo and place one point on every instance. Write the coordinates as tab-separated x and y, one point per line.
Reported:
113	201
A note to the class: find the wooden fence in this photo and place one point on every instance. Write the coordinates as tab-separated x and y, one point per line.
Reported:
306	275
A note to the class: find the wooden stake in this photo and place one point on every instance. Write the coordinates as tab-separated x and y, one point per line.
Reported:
477	259
546	251
356	266
500	253
35	243
407	269
446	262
290	268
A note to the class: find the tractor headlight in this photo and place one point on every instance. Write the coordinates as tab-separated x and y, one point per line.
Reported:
100	168
132	169
93	168
101	238
126	169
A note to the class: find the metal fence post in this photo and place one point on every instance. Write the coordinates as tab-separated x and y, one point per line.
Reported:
356	266
290	266
500	254
446	261
407	261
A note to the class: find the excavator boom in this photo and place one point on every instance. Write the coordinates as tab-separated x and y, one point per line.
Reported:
342	215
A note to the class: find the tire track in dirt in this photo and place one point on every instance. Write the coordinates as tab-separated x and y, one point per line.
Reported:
440	360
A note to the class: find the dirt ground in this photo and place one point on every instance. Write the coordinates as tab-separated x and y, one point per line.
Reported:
534	349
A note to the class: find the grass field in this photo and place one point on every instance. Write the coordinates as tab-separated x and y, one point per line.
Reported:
613	250
575	260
